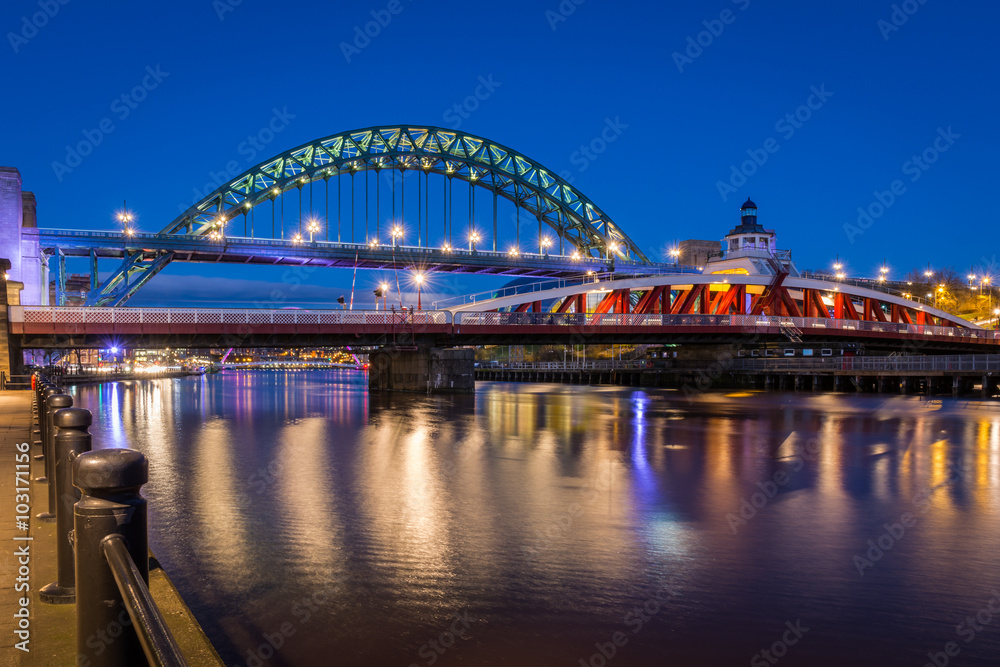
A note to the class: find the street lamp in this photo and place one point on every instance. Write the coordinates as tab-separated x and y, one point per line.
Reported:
446	247
473	237
420	281
397	233
312	228
543	245
513	252
297	238
675	254
126	217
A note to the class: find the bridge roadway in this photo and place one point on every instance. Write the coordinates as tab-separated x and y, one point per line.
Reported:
241	250
41	327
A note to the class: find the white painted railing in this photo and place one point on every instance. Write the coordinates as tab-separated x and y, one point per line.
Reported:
249	316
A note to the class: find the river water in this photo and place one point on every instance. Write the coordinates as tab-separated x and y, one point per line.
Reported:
306	522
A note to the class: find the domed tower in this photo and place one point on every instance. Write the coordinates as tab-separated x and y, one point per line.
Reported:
749	248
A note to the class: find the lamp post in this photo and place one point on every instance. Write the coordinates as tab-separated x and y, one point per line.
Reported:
543	245
675	254
126	217
473	237
397	233
420	281
312	228
384	287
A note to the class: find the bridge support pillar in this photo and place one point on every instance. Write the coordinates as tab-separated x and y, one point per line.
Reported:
426	369
987	387
838	383
904	386
929	386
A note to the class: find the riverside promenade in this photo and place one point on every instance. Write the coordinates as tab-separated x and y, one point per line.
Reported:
51	629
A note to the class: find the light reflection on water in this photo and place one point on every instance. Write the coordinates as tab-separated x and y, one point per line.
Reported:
548	513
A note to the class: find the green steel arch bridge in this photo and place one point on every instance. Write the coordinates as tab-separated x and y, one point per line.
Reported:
365	199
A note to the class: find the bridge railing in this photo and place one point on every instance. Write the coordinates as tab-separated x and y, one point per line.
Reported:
964	362
565	365
216	316
806	324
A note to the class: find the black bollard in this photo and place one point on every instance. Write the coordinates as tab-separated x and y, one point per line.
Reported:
110	504
71	440
52	404
46	392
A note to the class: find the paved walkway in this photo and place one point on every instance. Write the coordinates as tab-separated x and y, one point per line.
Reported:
15	427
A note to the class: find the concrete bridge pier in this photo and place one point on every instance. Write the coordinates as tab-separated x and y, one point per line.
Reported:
425	369
904	386
988	387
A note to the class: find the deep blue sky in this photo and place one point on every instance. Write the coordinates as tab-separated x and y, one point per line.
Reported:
658	180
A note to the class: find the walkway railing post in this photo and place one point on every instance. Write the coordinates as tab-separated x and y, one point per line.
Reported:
54	402
71	440
110	505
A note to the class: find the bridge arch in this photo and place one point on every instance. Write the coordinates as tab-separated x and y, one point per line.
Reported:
431	150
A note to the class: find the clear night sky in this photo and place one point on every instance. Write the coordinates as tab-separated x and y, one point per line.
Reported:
227	66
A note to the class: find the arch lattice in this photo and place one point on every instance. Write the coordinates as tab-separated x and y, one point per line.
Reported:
479	161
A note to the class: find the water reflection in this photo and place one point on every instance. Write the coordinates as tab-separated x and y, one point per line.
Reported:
548	513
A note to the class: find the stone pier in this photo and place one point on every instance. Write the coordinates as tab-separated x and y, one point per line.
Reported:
426	369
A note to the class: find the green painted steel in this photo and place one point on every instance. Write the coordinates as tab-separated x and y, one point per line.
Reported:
474	159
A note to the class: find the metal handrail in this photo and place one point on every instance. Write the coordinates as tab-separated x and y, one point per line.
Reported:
158	643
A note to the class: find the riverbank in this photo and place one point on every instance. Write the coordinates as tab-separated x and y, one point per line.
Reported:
48	631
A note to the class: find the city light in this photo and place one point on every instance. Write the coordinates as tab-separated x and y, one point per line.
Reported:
544	244
312	228
419	279
513	252
126	217
575	255
473	237
397	233
446	247
297	238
